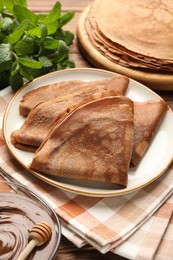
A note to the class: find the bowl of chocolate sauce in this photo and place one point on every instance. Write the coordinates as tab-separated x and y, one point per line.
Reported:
20	210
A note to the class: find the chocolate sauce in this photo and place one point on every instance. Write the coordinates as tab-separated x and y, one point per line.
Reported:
18	214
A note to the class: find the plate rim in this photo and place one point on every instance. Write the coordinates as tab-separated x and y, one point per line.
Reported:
65	186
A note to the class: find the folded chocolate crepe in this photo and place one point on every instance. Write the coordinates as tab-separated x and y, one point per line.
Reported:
147	118
45	93
43	116
94	142
115	29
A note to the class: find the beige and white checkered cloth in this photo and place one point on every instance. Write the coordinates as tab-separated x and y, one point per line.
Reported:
138	225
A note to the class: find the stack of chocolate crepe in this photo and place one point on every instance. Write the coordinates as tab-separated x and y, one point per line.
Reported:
87	130
134	34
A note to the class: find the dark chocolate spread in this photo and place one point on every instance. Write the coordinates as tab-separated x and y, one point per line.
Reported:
18	214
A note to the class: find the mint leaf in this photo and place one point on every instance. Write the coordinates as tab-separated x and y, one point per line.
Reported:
52	27
16	81
67	64
7	24
23	13
40	18
14	68
48	66
36	31
39	31
70	64
9	4
46	62
30	63
21	2
1	6
26	73
51	44
5	52
6	65
53	15
18	33
25	46
2	37
62	52
64	19
29	73
44	32
65	36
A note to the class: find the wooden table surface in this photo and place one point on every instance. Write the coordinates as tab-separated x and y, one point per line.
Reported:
67	250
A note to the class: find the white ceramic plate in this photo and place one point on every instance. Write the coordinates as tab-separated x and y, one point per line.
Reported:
155	161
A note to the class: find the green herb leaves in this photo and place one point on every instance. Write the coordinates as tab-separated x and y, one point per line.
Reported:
32	44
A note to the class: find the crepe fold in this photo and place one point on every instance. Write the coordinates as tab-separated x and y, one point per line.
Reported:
57	90
94	142
44	93
45	114
135	34
147	118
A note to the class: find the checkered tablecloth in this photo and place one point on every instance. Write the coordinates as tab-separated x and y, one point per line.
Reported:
138	225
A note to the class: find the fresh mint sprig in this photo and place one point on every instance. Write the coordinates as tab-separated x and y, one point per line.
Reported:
32	44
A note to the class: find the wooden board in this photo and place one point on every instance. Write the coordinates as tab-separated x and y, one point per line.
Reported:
154	81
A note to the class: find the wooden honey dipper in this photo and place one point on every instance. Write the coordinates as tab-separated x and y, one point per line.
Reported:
39	234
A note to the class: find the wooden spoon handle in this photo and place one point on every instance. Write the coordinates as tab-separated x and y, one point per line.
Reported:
27	250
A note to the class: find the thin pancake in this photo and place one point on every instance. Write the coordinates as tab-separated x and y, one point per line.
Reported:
94	142
147	117
44	115
146	45
147	37
45	93
120	54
